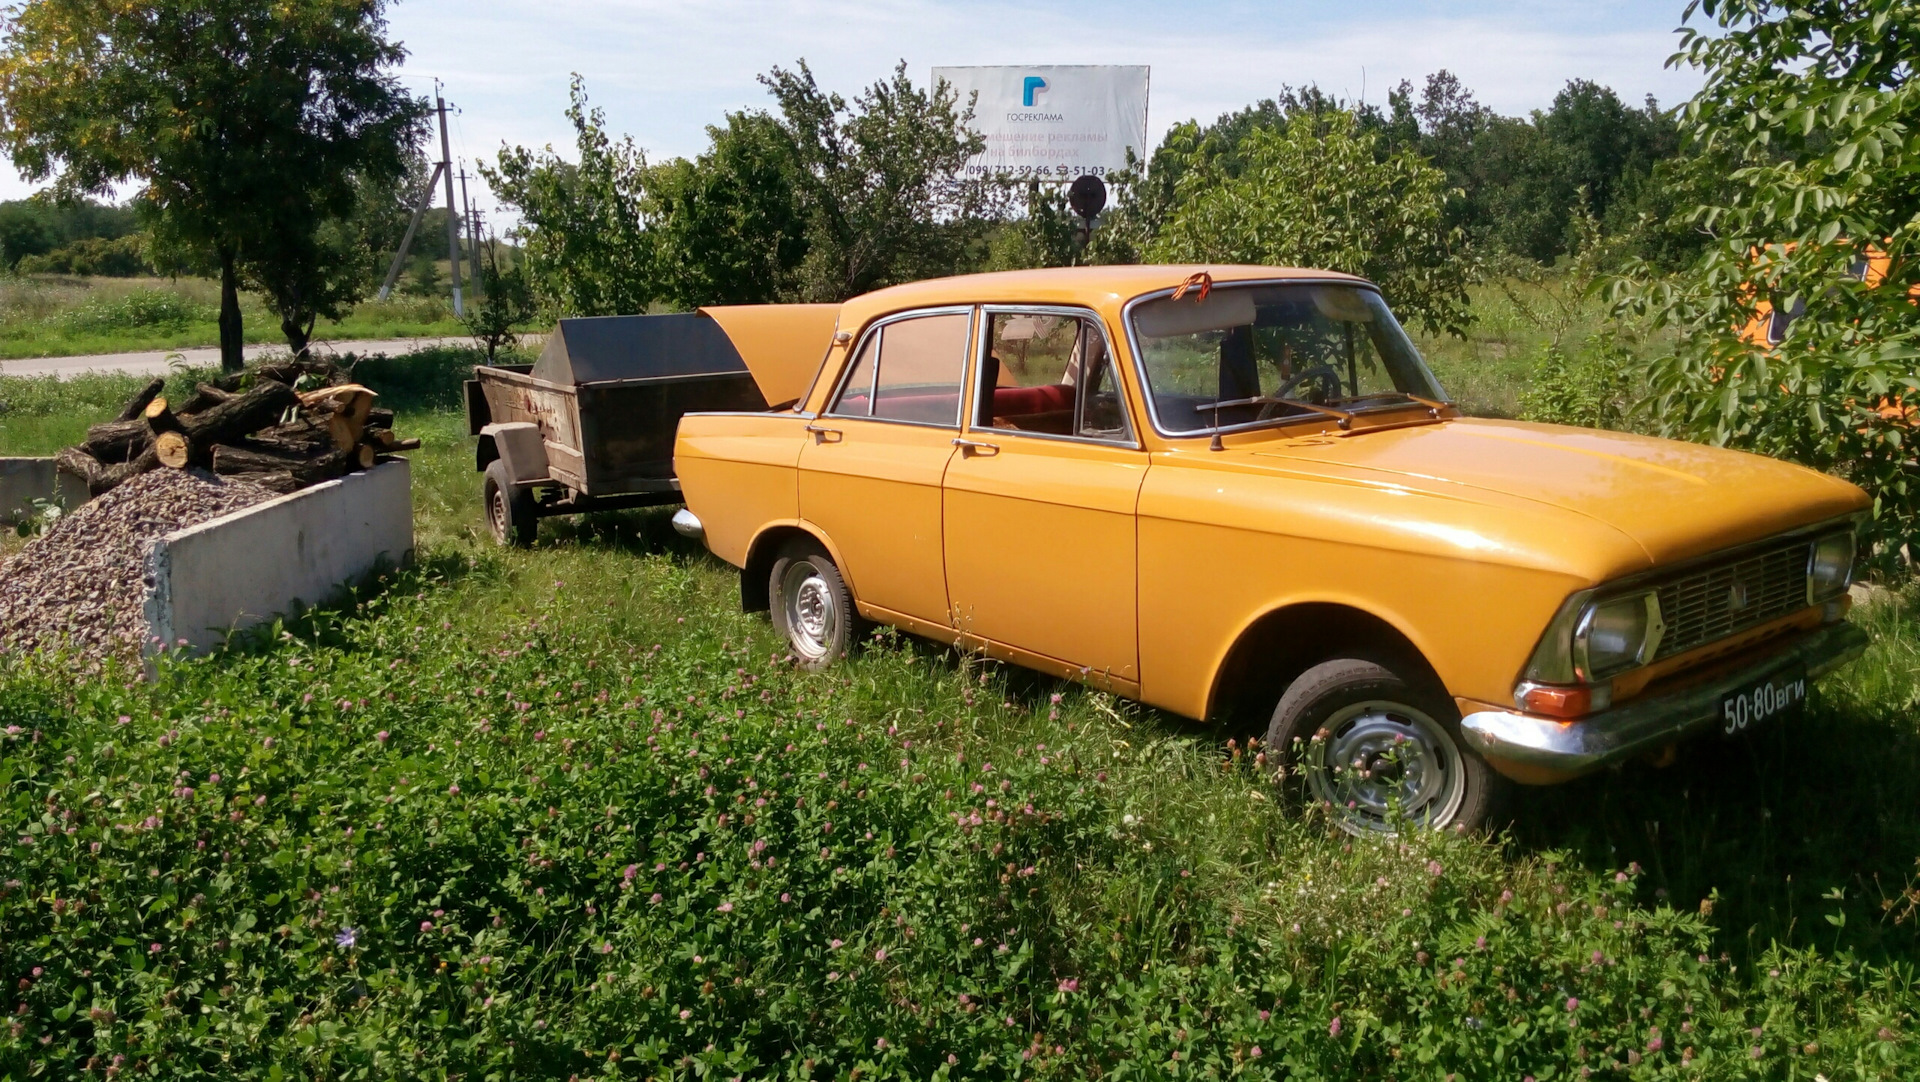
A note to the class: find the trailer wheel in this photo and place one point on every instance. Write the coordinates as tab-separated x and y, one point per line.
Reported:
509	508
812	605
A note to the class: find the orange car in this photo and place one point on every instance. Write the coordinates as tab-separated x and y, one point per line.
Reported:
1238	493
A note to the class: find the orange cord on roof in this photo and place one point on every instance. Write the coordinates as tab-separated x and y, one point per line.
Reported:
1200	280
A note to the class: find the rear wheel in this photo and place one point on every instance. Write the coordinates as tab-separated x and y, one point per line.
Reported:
1375	750
812	606
510	516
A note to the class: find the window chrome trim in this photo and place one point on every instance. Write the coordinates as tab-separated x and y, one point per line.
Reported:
984	341
869	334
1146	385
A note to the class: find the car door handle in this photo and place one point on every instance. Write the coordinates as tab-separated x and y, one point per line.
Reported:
975	447
825	435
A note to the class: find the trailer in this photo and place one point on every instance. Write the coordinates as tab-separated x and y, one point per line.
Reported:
589	426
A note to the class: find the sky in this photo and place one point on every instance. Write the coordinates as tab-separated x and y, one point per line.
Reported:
663	70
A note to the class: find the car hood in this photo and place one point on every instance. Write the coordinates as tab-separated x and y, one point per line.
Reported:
1676	500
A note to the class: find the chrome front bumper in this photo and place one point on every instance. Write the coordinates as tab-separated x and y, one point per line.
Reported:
1647	724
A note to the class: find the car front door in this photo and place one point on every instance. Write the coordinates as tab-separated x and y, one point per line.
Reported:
1039	503
870	472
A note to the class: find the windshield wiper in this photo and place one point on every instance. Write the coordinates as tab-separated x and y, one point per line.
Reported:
1345	418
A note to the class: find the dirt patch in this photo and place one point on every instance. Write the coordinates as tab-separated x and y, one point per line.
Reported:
80	586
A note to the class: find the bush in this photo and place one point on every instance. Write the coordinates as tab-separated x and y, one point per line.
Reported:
592	841
1321	194
425	379
1799	114
1589	389
121	257
140	309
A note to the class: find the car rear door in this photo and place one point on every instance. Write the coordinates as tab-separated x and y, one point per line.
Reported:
871	469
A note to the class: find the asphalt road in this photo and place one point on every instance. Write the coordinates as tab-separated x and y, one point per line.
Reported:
154	362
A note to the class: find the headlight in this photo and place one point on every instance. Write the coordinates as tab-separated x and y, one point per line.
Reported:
1830	571
1616	634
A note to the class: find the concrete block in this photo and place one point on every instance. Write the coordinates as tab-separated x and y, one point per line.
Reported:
24	480
233	572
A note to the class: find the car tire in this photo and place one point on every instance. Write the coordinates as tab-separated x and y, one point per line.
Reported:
509	508
812	606
1375	749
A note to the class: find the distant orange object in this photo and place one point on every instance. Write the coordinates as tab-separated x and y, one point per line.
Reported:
1769	325
1253	501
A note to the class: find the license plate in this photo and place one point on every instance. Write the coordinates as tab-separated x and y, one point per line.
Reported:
1762	701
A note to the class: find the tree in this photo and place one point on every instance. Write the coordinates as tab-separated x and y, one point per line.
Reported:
1315	196
23	232
1812	109
505	302
586	245
1043	236
730	222
251	123
881	183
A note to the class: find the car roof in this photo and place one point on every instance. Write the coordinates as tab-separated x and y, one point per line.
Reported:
1103	285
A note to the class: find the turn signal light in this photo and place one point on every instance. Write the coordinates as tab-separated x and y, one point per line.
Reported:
1565	702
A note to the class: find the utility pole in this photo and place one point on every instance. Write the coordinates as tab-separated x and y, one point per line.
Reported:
413	226
453	226
441	168
473	231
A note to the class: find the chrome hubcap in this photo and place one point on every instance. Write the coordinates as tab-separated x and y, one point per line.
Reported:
500	515
813	615
1373	758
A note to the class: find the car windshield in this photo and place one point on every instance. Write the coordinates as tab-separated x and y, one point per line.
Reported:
1250	354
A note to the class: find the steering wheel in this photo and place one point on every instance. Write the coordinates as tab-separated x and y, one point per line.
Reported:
1329	378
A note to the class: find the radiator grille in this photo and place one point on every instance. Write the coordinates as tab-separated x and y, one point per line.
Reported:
1714	603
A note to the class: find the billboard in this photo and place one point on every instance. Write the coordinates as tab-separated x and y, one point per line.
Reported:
1054	121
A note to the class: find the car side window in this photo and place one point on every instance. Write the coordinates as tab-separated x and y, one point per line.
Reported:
1050	373
909	370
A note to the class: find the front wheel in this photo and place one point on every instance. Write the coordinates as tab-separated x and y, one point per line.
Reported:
1374	749
812	606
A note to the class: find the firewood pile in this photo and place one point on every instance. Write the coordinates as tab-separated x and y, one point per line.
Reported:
252	426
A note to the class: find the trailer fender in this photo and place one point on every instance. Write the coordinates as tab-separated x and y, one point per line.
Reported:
518	444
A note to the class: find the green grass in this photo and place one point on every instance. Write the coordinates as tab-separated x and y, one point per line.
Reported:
523	749
56	316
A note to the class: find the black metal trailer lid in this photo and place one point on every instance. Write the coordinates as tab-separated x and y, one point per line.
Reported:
596	349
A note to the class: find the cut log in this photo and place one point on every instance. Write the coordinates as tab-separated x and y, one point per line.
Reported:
259	407
345	430
102	478
160	418
340	394
378	417
139	401
117	441
304	438
173	450
229	461
385	440
205	396
364	456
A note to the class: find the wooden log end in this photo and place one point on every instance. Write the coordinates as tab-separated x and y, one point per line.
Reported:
172	449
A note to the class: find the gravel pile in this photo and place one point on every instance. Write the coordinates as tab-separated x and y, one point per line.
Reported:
80	587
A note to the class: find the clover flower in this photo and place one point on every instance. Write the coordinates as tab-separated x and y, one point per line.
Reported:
346	939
